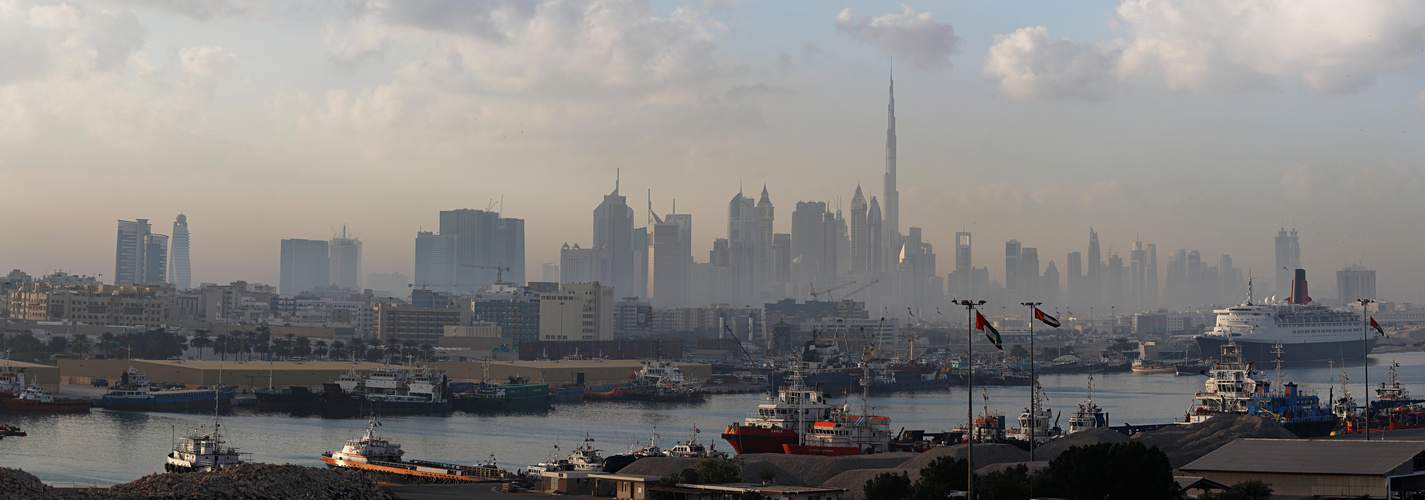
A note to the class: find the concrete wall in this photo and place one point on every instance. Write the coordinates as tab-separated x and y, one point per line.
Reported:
557	373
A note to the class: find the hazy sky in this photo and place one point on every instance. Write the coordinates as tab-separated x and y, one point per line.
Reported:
1199	124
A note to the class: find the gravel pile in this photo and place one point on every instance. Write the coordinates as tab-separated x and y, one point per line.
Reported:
1034	466
1185	443
248	481
1052	449
751	469
815	470
985	454
18	484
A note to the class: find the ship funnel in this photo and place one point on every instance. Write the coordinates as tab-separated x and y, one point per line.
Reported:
1298	289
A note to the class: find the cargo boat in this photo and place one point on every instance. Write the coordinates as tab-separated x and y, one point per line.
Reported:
292	398
133	392
387	390
517	394
1233	387
657	381
371	453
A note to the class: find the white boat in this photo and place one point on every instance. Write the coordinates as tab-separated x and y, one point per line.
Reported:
1089	415
202	451
695	449
1042	429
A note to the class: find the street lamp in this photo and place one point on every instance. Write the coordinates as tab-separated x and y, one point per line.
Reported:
970	389
1366	363
1033	380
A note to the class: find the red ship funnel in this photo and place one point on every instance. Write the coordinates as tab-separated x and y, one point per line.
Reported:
1298	289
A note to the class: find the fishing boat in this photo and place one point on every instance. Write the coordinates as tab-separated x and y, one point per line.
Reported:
586	457
1392	410
779	421
371	453
134	392
202	452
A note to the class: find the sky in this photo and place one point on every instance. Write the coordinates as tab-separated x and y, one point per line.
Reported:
1198	124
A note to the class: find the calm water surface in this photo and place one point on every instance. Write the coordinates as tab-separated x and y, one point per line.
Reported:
109	447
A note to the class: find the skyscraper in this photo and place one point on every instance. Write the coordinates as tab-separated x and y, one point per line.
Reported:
155	259
1138	277
744	239
129	252
1288	260
1050	285
345	261
1075	278
484	241
960	279
767	214
876	230
890	226
1029	274
1095	265
860	241
613	243
435	262
306	264
1150	281
179	272
1011	265
672	259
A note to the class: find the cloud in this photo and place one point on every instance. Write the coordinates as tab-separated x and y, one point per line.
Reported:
811	53
206	64
1327	46
40	39
917	37
203	10
1349	185
1028	65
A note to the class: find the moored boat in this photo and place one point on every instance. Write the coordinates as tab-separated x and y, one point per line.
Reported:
35	399
134	392
1089	415
7	430
373	454
781	421
1233	387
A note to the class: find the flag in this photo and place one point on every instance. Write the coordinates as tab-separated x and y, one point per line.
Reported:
1046	318
1377	326
981	324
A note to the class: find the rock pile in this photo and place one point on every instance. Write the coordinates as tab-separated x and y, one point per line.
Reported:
18	484
1185	443
247	481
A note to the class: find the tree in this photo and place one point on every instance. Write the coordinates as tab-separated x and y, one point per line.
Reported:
712	471
338	350
1005	484
58	343
81	345
106	344
940	477
1018	351
301	346
220	344
887	486
1108	471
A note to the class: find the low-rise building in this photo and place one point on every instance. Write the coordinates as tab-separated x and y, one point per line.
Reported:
142	305
1329	468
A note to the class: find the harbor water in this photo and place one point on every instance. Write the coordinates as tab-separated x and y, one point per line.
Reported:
107	447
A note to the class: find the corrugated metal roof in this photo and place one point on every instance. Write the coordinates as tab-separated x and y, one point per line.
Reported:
1302	456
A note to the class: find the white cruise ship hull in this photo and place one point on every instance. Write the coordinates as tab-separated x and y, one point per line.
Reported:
1261	350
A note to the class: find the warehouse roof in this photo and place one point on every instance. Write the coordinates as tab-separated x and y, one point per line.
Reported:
1304	456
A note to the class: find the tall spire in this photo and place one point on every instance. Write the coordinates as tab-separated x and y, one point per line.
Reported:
891	225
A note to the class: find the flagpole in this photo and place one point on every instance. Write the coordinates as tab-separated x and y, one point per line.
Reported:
1033	380
1366	364
970	391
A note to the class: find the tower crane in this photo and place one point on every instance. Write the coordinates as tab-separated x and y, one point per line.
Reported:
858	289
827	292
499	271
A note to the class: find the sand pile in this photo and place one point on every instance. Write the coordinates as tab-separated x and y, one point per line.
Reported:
751	469
1185	443
815	470
985	454
1052	449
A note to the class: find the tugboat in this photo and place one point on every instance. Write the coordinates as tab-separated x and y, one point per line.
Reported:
780	422
658	381
1042	431
1393	409
378	455
202	453
133	392
586	457
1234	387
1089	415
846	433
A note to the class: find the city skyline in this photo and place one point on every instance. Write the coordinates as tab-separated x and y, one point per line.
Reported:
1217	159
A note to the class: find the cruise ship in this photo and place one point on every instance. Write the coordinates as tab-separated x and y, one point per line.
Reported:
1306	331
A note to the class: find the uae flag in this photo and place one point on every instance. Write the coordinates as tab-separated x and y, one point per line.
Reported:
1377	326
1045	318
984	325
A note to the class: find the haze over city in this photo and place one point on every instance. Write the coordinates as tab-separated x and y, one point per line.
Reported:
1205	126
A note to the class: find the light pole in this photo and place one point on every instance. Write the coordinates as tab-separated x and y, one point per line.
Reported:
970	390
1033	381
1365	364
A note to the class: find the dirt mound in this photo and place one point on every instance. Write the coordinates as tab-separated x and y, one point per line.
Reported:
751	469
1185	443
985	454
249	481
1052	449
854	481
814	470
18	484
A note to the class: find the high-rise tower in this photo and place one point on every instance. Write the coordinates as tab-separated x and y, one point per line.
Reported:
1093	266
131	251
1288	260
179	272
860	241
613	243
344	259
890	225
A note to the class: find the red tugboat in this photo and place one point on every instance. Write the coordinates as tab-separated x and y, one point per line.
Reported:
35	399
845	433
781	422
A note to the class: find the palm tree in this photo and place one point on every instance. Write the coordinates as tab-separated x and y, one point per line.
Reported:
107	344
220	344
81	345
338	350
200	340
320	349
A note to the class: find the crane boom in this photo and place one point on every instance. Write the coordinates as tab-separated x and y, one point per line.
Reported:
499	271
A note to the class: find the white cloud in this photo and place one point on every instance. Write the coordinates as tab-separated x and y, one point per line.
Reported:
206	64
917	37
1327	46
1028	65
204	10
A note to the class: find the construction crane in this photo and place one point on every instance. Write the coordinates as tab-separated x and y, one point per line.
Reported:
815	295
499	271
859	289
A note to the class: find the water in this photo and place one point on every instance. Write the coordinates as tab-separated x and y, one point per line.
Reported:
109	447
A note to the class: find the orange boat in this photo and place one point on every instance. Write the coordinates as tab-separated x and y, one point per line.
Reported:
373	454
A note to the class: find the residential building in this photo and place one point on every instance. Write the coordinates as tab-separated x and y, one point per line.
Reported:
418	325
121	305
435	262
578	311
1354	283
